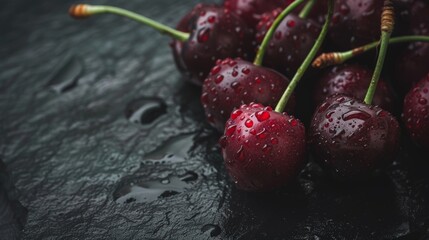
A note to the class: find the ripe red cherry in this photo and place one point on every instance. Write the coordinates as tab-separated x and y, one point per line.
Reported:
215	34
416	113
233	82
251	10
291	43
262	149
355	23
352	140
352	80
412	63
185	25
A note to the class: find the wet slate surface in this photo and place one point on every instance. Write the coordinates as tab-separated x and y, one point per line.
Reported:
102	139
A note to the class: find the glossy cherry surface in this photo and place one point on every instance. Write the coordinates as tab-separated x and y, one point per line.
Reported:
233	82
215	34
262	149
355	23
291	43
416	113
411	64
352	140
352	80
251	10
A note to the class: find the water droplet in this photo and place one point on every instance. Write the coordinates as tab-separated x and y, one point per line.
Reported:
230	130
262	134
213	230
245	70
66	76
211	19
423	101
291	23
203	35
145	110
215	70
219	79
248	123
355	114
262	115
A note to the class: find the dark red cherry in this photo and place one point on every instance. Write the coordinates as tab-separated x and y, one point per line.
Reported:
291	42
215	34
355	22
352	80
352	140
251	10
416	113
412	63
185	25
233	82
262	149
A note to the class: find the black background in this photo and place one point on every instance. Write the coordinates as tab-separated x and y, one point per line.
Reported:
71	154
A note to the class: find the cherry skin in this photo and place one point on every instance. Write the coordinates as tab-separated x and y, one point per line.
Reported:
352	80
233	82
251	10
416	113
355	23
185	25
215	34
292	41
411	64
352	140
262	149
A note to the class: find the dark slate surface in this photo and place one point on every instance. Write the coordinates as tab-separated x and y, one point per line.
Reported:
102	139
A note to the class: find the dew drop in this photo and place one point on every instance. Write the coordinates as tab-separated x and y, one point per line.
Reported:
203	35
248	123
235	114
262	115
230	130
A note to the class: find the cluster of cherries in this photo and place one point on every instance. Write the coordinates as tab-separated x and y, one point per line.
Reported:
353	132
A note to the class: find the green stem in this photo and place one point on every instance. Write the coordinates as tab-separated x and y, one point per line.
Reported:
378	67
304	66
307	9
261	51
99	9
344	56
387	25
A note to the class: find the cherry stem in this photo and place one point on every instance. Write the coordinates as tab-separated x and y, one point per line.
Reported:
307	9
304	66
85	10
387	25
261	51
334	58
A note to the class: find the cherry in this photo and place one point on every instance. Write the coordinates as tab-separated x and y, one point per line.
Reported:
216	34
292	40
351	80
416	112
411	64
185	25
233	82
262	149
355	23
208	33
265	149
251	10
351	139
